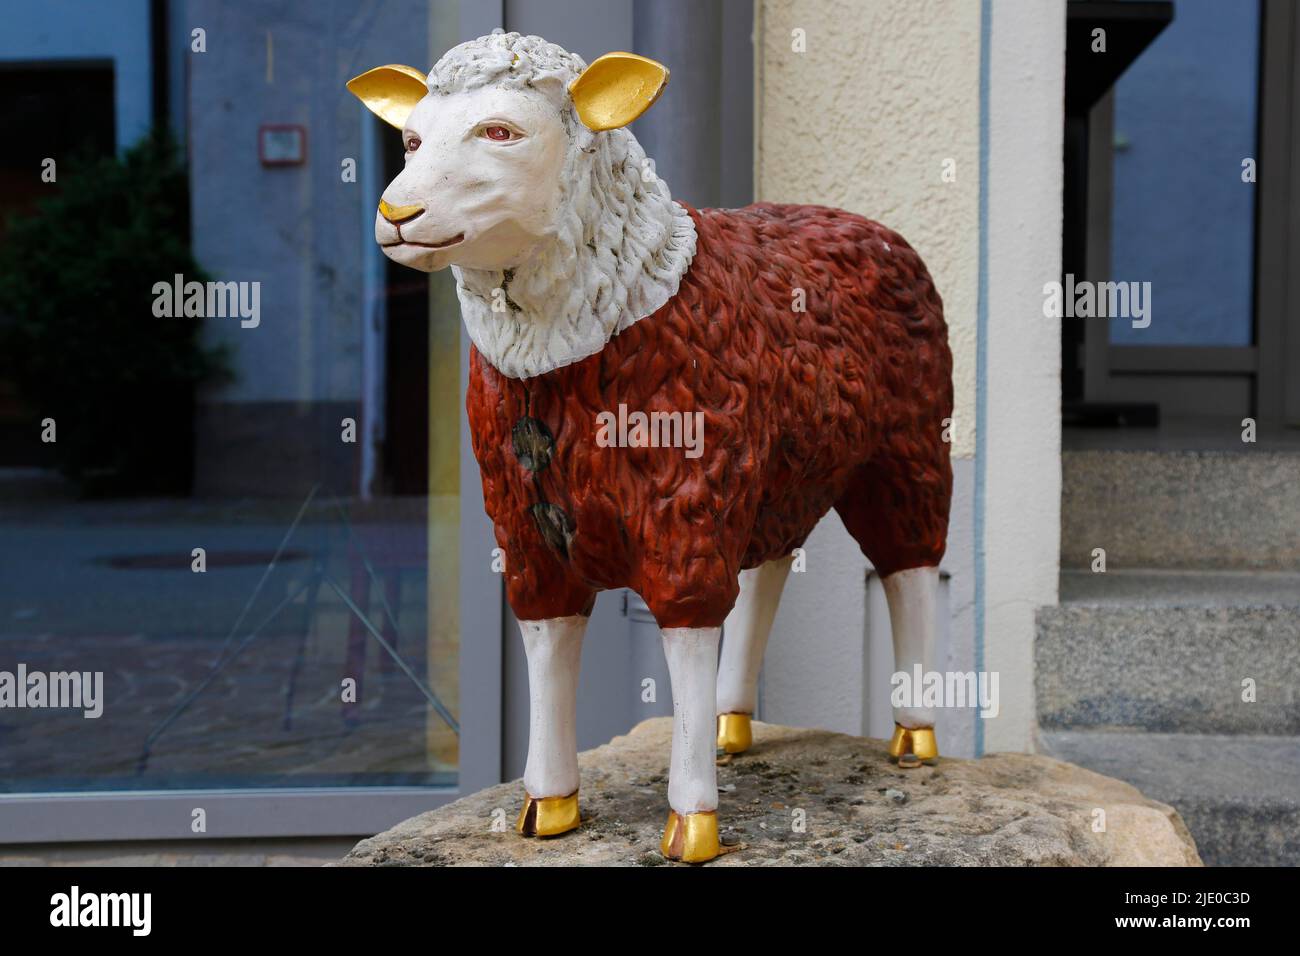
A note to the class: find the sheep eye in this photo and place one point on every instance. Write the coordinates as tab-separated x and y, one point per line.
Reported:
412	144
499	134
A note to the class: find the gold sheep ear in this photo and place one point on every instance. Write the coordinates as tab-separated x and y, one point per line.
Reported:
616	89
390	92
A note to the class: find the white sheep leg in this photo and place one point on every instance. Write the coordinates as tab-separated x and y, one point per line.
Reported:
554	649
744	641
913	598
692	831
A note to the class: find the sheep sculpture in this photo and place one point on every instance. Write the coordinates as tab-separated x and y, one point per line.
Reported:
808	342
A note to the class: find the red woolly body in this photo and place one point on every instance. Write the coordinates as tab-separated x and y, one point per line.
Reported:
813	343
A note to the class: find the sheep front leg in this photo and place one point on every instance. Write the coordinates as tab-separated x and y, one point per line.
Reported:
913	598
692	831
554	649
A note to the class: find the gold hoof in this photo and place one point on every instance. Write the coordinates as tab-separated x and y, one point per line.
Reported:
915	743
548	816
734	733
692	838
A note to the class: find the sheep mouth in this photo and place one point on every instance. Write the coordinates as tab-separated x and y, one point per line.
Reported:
446	244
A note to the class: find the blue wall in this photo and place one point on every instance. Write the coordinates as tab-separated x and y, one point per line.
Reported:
88	30
1185	118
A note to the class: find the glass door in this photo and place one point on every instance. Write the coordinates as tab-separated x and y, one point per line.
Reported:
231	537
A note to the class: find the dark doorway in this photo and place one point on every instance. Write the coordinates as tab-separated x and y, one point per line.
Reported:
37	102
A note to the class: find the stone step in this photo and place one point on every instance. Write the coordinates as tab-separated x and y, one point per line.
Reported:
1174	508
1239	795
1170	651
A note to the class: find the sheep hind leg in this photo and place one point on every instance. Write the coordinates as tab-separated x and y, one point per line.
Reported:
744	641
913	598
691	835
554	650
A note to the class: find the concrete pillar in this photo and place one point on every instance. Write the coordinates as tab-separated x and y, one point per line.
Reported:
682	132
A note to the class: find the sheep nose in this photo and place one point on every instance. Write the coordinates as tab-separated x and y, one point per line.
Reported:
398	215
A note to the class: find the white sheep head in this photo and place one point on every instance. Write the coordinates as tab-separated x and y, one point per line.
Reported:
500	137
527	183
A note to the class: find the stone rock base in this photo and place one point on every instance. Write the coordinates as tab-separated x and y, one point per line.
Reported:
812	798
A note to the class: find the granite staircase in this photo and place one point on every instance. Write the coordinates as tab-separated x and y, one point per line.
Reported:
1178	668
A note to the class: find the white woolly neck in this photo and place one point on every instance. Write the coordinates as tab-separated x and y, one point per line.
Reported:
618	255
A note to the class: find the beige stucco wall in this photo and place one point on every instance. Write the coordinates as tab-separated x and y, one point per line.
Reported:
864	119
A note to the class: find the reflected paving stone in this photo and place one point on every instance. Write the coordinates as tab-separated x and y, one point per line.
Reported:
107	586
236	727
